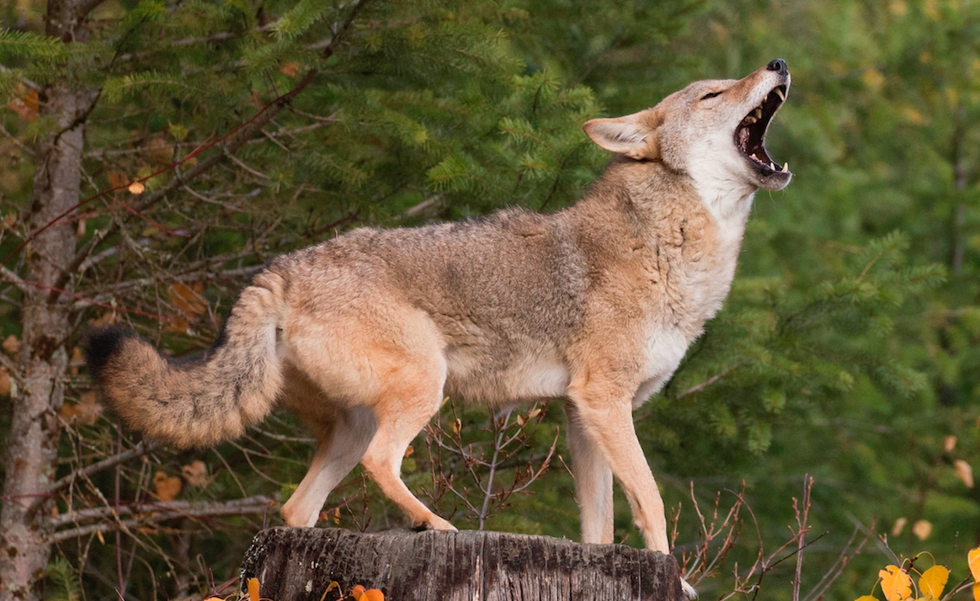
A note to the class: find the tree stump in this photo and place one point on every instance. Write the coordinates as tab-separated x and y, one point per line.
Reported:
295	564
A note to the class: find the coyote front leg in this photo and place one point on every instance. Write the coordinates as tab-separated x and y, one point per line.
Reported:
605	413
593	481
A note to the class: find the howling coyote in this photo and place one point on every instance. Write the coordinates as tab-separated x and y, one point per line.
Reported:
364	335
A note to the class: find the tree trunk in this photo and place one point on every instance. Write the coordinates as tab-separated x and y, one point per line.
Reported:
300	563
32	447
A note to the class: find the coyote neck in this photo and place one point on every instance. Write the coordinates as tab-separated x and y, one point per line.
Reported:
683	244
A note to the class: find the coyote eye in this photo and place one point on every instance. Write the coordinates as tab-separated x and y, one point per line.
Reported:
710	95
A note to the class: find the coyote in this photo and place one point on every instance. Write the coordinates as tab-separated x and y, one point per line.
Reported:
364	335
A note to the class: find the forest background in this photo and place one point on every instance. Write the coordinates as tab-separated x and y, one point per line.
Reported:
848	350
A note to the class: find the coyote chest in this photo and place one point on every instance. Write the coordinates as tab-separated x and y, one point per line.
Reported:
694	260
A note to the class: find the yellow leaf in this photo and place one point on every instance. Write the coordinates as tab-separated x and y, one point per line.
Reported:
866	598
922	529
136	188
873	79
973	557
933	581
964	472
253	589
895	583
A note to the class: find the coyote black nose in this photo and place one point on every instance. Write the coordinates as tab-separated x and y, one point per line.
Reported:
778	65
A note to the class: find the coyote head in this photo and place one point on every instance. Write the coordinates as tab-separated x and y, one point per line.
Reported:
712	130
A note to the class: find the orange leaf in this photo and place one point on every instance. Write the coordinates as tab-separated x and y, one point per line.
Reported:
373	594
167	488
866	598
973	557
253	589
87	410
976	591
289	69
117	179
922	529
136	188
933	581
333	585
26	106
188	298
895	583
899	526
77	358
11	345
964	472
196	473
356	592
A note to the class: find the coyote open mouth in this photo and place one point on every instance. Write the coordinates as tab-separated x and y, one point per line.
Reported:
751	133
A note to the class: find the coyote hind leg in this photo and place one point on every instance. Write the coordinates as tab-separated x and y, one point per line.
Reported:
340	446
405	409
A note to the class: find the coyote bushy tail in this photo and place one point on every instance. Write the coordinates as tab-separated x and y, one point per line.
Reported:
204	400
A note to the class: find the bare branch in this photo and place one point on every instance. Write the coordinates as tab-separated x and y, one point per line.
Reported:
161	508
167	511
708	382
141	449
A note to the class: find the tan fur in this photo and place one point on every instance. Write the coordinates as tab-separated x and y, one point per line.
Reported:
362	336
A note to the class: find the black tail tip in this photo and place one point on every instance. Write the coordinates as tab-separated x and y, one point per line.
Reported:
101	344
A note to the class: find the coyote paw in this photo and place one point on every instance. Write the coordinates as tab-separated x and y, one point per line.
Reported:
435	523
687	591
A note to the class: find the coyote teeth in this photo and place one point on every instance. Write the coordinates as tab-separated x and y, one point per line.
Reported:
780	94
786	167
758	113
750	119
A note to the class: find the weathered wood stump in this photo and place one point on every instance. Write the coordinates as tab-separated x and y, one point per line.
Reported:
295	564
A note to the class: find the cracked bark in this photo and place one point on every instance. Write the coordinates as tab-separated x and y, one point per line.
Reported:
293	564
43	360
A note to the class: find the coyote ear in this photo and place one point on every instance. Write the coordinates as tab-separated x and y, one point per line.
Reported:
633	135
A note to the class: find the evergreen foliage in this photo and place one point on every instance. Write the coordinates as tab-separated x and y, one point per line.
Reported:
848	349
